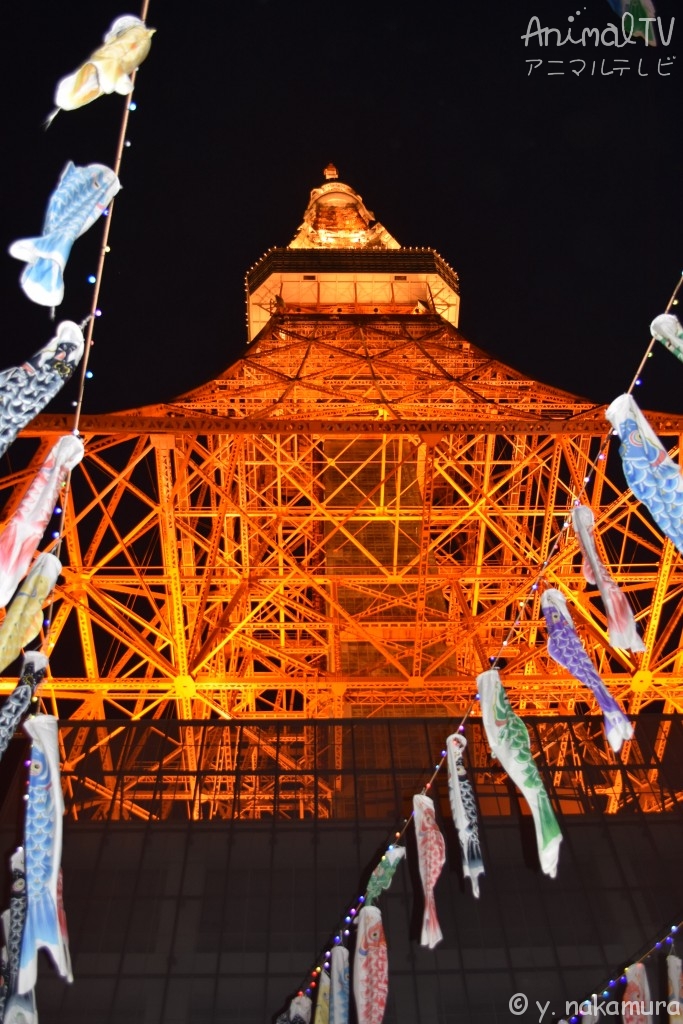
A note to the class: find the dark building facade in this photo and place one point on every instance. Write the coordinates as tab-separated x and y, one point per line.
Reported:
175	921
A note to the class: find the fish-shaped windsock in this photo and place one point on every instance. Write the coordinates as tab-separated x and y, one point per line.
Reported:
13	919
19	1009
565	647
621	624
3	980
509	742
299	1011
25	614
636	1004
381	877
17	704
431	856
667	329
25	390
339	985
464	810
45	926
652	475
638	18
674	988
108	69
370	967
82	195
22	534
322	1000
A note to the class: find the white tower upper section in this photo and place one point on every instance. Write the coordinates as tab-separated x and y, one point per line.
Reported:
336	218
343	262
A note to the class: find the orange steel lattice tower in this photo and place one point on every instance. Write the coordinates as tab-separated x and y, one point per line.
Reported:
346	522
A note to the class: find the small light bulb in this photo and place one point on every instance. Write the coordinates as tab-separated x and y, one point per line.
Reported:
91	279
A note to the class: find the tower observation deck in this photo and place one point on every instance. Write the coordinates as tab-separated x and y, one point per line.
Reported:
344	523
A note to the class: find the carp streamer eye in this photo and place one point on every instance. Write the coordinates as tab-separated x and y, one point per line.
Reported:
35	767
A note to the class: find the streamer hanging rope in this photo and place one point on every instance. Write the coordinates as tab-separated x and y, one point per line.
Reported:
89	323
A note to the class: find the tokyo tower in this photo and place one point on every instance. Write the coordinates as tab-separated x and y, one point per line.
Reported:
351	520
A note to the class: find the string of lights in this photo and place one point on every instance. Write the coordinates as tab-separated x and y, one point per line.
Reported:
88	324
593	1003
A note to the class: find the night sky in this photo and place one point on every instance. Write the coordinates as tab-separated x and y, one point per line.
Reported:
555	197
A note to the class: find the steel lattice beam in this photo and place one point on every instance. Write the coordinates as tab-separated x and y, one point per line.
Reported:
346	522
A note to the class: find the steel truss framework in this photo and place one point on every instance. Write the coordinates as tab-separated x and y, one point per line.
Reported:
345	523
250	770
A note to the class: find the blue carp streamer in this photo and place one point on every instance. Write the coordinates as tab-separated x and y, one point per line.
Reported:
45	925
82	195
652	475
